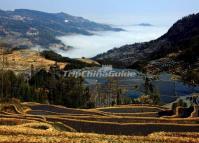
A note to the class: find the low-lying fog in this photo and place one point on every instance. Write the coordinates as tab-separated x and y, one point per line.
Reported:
89	46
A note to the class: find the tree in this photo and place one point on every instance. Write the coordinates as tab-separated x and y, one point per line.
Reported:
155	97
119	92
191	77
151	93
45	87
180	103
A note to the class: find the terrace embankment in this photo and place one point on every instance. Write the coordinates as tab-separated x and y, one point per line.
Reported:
58	110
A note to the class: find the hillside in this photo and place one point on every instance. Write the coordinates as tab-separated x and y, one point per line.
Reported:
24	28
21	61
178	48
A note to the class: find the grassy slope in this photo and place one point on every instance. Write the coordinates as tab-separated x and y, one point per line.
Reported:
22	60
88	61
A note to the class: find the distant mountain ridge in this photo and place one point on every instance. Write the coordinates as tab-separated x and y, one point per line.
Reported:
145	24
182	39
26	28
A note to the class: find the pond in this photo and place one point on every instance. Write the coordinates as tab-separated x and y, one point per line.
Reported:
168	89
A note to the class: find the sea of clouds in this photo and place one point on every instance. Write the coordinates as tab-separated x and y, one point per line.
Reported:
89	46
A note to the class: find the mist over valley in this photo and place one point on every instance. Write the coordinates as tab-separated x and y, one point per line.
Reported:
99	42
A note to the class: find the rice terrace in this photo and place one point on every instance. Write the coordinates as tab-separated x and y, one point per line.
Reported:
33	122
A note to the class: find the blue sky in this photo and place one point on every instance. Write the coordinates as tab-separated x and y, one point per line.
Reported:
158	12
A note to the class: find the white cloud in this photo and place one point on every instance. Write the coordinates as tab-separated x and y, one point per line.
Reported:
89	46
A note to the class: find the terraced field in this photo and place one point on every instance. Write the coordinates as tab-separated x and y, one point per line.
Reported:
48	123
122	120
131	110
57	110
45	133
21	60
125	129
118	119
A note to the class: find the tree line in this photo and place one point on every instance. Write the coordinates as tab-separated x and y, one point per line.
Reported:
44	87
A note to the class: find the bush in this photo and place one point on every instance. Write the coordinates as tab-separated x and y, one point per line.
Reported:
90	105
180	103
73	63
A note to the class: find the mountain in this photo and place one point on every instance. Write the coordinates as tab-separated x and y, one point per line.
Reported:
145	24
24	28
179	47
